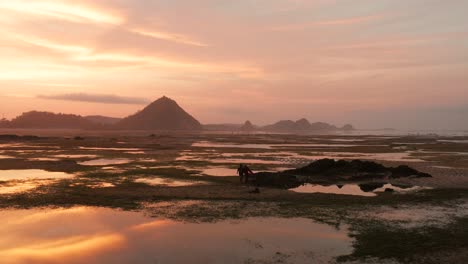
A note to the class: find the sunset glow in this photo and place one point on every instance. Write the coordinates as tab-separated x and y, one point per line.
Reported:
371	63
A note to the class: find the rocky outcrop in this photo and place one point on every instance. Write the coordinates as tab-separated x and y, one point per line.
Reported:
355	169
329	170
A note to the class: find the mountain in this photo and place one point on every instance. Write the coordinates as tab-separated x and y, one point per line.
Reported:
222	127
162	114
281	126
35	119
103	120
247	126
303	125
348	127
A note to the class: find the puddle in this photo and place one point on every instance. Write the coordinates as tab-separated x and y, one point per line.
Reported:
104	162
463	141
113	169
220	171
246	161
6	175
368	190
14	186
223	171
286	157
118	149
95	185
148	160
411	143
75	156
345	139
136	152
399	156
443	167
206	144
44	159
157	181
85	235
348	189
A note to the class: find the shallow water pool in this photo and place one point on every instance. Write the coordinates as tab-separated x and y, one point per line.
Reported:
99	235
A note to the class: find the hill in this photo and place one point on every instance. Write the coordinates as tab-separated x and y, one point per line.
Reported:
162	114
47	120
303	125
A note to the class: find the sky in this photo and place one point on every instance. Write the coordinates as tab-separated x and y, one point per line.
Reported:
373	63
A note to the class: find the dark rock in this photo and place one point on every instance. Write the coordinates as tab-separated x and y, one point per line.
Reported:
341	170
277	179
370	187
355	169
389	190
406	171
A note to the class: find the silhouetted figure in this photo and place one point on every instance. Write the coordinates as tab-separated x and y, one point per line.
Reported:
247	172
240	172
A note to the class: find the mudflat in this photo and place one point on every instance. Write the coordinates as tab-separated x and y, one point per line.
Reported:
191	178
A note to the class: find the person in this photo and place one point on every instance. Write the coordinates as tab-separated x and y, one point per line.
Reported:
240	171
247	172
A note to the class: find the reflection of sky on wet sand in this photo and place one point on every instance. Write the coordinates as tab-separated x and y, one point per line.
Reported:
97	235
352	189
290	158
11	187
104	162
116	149
76	156
219	171
348	189
6	175
155	181
207	144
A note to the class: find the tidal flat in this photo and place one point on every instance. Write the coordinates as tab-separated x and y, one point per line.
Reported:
160	198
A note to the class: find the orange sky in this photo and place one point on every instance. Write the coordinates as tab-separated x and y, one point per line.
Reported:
374	63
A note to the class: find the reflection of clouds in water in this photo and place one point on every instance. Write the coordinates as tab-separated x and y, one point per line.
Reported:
32	174
290	157
99	235
104	162
155	181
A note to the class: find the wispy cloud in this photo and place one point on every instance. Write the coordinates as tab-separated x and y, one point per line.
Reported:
336	22
62	10
177	38
96	98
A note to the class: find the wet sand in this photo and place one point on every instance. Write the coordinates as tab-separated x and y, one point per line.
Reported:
192	177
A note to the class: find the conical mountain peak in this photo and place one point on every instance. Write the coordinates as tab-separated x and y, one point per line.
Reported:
162	114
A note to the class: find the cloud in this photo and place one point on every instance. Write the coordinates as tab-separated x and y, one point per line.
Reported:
336	22
96	98
62	10
169	37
